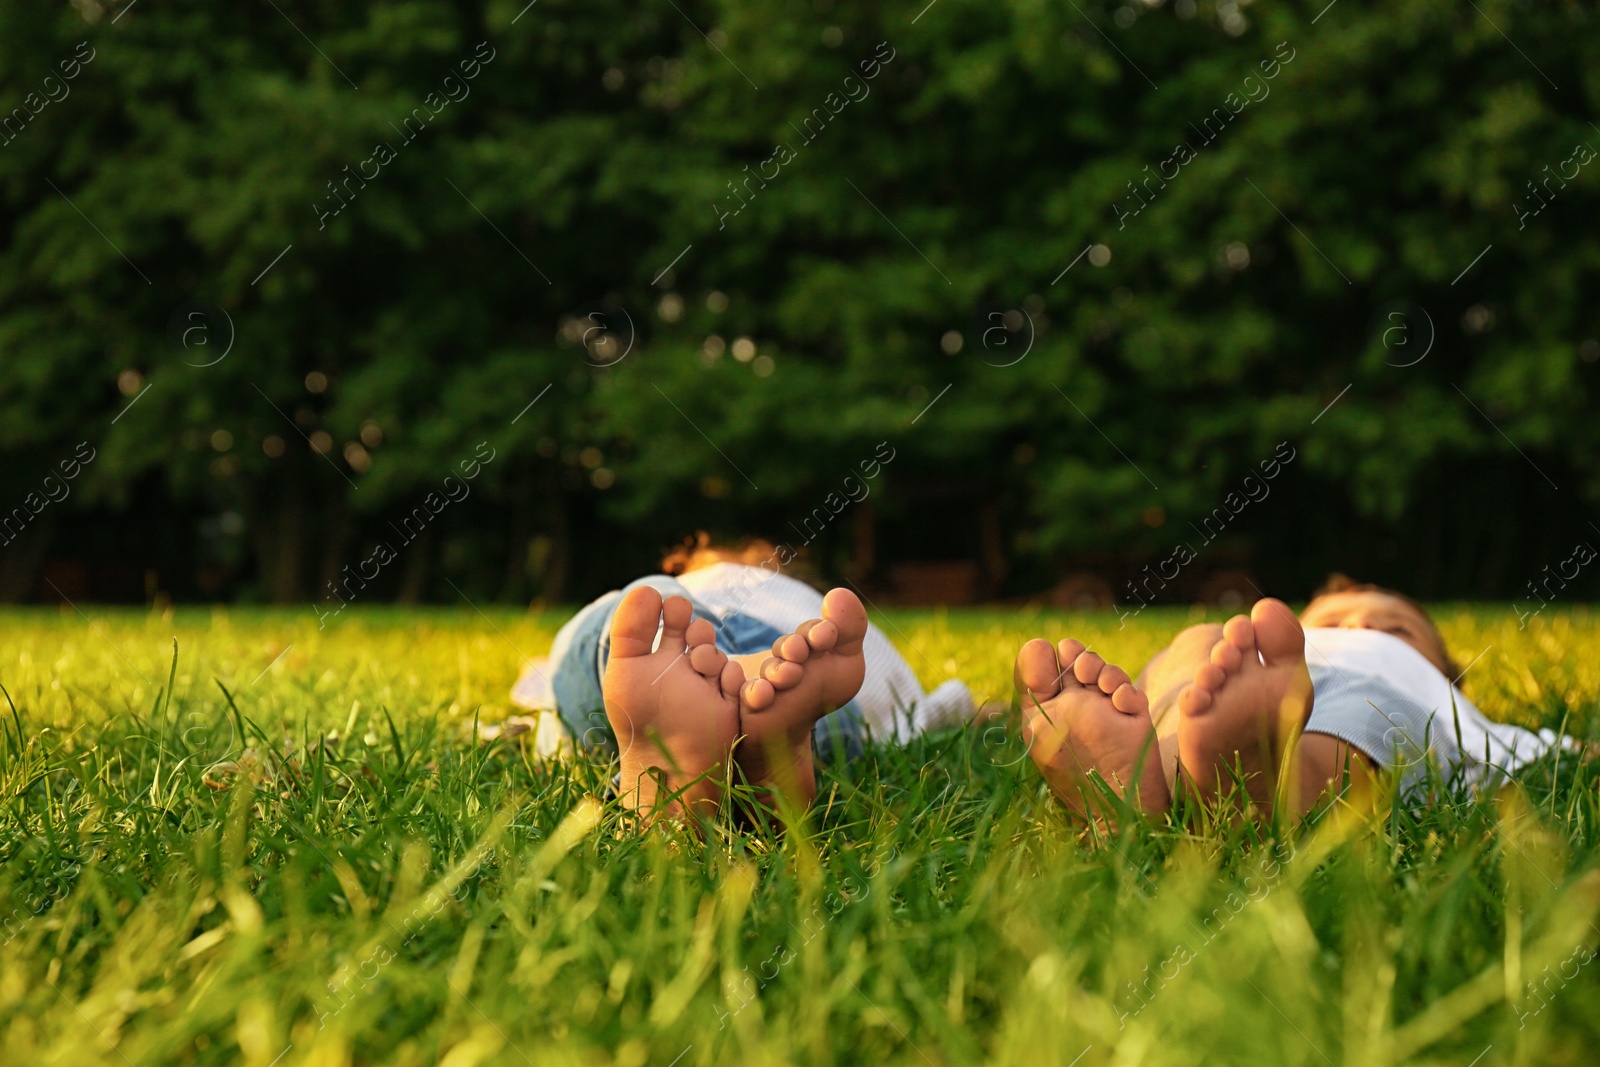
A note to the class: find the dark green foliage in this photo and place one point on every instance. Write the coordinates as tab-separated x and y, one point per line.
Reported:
993	146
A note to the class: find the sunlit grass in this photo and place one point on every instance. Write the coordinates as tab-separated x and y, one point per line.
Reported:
295	850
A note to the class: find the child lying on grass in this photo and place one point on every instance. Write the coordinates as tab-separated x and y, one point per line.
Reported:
725	656
1360	681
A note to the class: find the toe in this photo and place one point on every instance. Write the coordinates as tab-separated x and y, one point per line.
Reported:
782	674
732	679
708	659
1192	700
1130	701
843	608
1239	632
1112	678
1087	667
758	694
1277	630
1037	673
1069	649
1209	676
1227	655
676	612
700	632
633	627
791	647
820	634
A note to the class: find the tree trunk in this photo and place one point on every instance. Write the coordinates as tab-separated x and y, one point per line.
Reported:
558	571
286	581
992	548
514	583
414	582
336	538
19	561
863	543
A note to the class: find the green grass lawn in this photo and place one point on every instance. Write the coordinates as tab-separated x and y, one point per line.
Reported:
384	890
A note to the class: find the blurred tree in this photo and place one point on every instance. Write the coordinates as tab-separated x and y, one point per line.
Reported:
727	249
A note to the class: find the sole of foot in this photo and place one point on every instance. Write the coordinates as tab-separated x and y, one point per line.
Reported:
808	674
673	706
1082	714
1245	706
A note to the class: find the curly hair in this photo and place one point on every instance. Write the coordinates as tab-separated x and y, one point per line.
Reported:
699	551
702	551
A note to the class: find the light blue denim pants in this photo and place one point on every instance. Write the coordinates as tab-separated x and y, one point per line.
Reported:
583	646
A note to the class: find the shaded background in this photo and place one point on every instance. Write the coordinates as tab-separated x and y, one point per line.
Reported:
960	329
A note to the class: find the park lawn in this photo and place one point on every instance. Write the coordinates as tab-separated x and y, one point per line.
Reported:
399	894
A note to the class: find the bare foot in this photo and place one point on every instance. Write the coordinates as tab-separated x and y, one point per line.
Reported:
810	673
675	710
1088	716
1246	705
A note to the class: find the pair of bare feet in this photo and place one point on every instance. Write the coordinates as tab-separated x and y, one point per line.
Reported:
685	713
1240	713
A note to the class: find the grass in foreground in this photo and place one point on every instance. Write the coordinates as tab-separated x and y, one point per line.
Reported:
381	890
